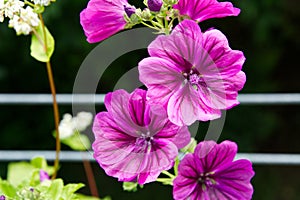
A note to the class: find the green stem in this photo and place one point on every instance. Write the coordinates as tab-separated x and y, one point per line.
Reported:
154	23
168	174
149	26
165	181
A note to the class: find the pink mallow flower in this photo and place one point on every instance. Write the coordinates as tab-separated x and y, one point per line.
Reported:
103	18
201	10
210	173
192	74
131	142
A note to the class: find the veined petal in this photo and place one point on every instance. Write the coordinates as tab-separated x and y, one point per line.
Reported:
158	71
185	107
215	155
179	47
201	10
234	179
210	173
127	150
138	109
159	95
228	61
182	138
183	187
221	71
103	18
117	104
186	181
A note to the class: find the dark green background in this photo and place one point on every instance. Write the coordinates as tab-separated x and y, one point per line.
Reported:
268	33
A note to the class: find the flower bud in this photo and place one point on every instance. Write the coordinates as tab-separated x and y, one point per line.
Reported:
129	10
155	5
146	14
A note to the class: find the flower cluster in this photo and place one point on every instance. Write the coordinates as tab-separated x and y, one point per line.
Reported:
190	75
42	2
69	125
23	15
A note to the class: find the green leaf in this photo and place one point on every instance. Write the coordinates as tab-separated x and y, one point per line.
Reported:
7	189
40	50
70	189
77	142
55	190
84	197
39	162
19	172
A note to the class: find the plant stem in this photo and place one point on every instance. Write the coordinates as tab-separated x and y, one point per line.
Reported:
55	106
168	174
90	176
56	118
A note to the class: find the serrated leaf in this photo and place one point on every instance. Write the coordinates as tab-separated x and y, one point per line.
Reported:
40	50
77	142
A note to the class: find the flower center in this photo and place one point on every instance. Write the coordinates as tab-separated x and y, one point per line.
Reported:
195	79
145	140
206	180
129	10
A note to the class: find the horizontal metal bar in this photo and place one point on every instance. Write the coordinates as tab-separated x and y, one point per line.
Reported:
46	99
270	99
73	156
67	99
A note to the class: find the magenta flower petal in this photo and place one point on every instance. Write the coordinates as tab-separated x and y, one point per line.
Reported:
183	107
211	173
133	143
201	10
103	18
192	74
44	176
120	111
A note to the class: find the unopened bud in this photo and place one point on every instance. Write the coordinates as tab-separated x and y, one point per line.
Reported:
155	5
129	10
146	14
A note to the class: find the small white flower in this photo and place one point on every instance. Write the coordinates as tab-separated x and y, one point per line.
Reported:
82	120
30	16
68	125
2	10
41	2
13	7
24	23
19	25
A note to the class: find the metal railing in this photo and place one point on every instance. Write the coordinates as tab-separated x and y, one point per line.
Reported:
68	99
73	156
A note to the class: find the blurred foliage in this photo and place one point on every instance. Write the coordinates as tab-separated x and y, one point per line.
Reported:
266	31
